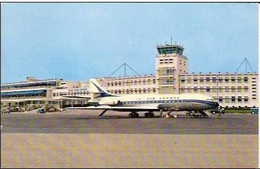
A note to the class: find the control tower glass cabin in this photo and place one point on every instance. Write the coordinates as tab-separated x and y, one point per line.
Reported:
170	49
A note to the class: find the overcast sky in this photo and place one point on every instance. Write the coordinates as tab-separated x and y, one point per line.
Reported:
77	41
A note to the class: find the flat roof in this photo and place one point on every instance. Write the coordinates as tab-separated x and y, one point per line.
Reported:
27	84
30	82
22	93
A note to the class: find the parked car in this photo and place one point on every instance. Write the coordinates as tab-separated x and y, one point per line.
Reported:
5	110
221	111
254	110
40	110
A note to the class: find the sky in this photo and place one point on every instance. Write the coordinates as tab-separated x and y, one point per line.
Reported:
79	41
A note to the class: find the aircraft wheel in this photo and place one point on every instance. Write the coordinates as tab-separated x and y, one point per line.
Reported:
147	115
152	114
133	115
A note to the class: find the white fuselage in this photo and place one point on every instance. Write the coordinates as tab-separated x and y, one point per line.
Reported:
161	101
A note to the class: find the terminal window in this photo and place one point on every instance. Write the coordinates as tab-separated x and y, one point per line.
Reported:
233	89
226	89
245	88
220	99
169	71
201	89
220	89
195	81
214	89
207	89
189	80
226	80
195	89
239	89
214	79
227	99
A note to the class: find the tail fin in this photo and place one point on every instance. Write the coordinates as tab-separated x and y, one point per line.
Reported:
95	88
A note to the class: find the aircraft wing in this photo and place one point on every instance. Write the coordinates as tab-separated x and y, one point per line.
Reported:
118	108
76	97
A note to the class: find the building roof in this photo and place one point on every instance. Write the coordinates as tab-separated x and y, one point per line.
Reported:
31	83
22	93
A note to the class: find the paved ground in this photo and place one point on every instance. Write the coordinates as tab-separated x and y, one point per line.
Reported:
90	122
77	139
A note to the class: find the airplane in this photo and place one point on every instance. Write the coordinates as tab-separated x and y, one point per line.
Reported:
100	99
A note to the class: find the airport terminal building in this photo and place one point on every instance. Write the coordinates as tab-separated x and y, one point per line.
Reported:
39	92
171	77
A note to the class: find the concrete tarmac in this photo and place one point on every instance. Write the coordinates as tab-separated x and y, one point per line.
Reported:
120	123
80	139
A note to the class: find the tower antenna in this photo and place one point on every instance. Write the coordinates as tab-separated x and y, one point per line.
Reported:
245	61
125	65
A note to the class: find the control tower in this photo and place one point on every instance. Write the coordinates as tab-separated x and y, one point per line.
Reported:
170	63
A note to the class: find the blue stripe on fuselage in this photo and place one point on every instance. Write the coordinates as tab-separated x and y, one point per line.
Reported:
211	103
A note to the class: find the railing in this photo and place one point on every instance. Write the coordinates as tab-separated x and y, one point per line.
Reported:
32	87
32	97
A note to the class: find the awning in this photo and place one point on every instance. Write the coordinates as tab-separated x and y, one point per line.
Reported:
22	93
28	84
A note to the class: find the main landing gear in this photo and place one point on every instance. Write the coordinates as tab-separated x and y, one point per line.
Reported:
134	114
197	114
149	114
